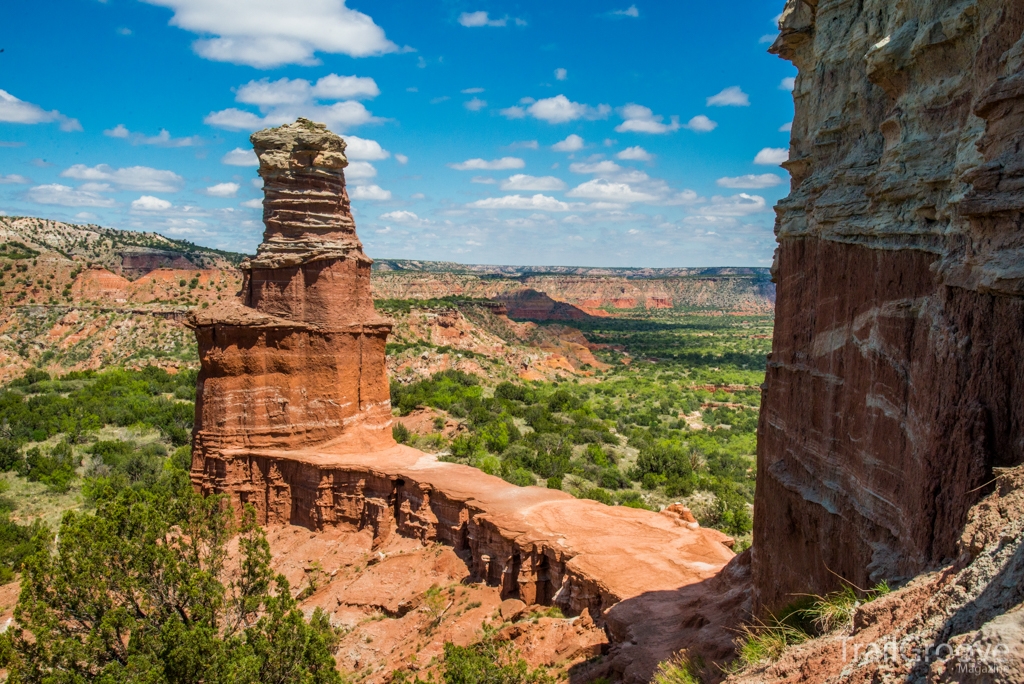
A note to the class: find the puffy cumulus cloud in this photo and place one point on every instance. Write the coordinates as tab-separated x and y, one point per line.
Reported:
284	100
537	202
363	149
750	181
573	143
733	206
771	156
161	139
602	190
640	119
406	218
475	105
502	164
253	204
701	124
141	178
13	110
788	84
267	33
555	110
733	96
223	190
599	167
561	74
240	157
635	153
150	203
521	182
335	87
630	11
359	170
479	19
374	193
13	179
65	196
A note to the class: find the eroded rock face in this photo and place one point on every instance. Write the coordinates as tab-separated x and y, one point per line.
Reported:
299	361
897	368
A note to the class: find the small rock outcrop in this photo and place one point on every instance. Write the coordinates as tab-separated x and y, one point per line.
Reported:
894	384
298	361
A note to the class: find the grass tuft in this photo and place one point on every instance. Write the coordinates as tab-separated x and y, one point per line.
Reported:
680	669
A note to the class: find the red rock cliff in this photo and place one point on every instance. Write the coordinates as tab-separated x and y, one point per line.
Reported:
299	361
895	382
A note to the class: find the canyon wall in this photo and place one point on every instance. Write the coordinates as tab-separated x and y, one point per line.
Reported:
895	381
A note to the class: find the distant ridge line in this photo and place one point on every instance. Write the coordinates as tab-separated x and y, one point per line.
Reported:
423	266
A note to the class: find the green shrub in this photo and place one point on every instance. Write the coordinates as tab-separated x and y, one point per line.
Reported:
400	432
489	662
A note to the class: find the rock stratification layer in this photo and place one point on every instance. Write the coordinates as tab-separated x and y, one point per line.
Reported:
894	383
299	361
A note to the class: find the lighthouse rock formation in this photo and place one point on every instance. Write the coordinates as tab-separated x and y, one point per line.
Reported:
293	418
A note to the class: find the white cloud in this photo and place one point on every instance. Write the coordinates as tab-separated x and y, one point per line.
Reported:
733	96
701	124
13	110
142	178
222	190
267	33
630	11
150	203
482	180
253	204
240	157
536	203
788	84
635	153
67	197
471	91
233	119
771	156
502	164
526	144
359	170
13	179
768	38
734	206
786	127
161	139
557	109
606	191
640	119
370	192
401	159
400	216
561	74
750	181
475	105
334	87
603	167
572	143
284	100
522	182
477	19
363	149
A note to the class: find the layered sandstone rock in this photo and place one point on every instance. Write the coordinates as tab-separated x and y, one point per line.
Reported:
894	384
299	361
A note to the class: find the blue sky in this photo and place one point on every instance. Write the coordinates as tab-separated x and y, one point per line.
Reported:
595	133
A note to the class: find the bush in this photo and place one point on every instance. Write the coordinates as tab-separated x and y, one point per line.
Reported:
489	662
55	470
554	483
400	432
521	477
597	494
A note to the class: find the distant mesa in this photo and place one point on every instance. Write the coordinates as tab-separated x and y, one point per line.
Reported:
531	305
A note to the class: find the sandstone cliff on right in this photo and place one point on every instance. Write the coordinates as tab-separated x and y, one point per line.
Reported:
893	400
